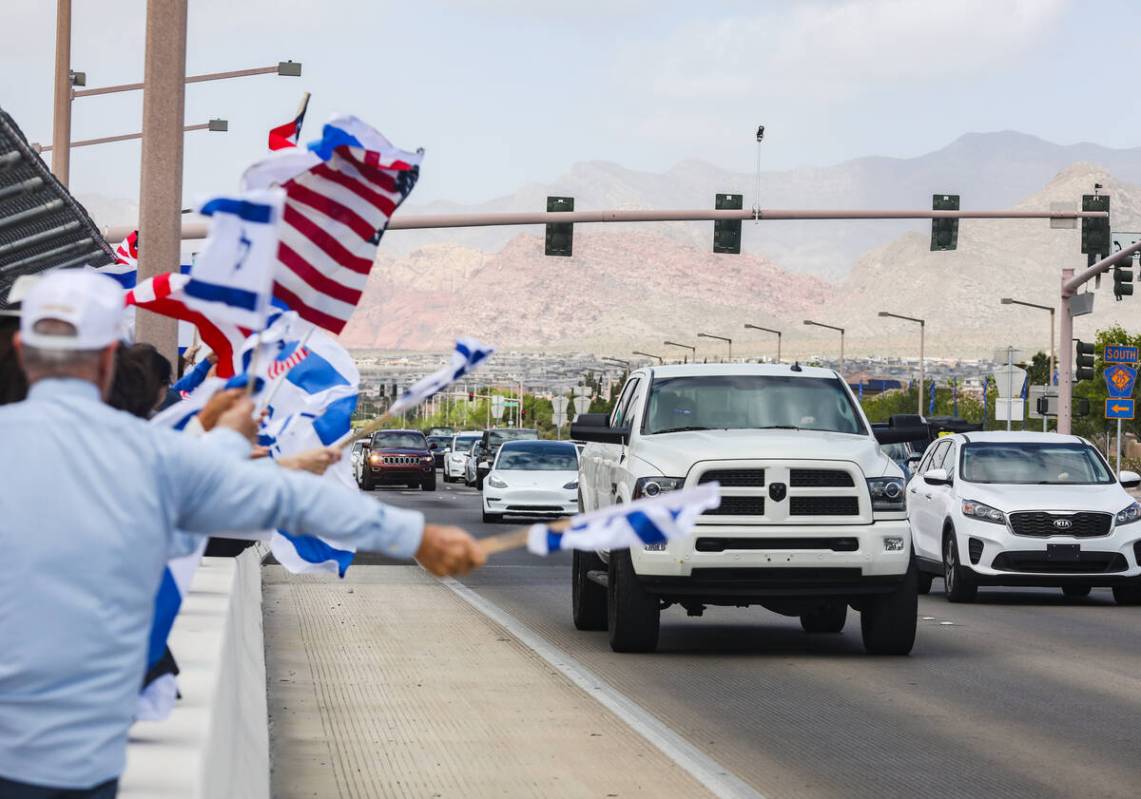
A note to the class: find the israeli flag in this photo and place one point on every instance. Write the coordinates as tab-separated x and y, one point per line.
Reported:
232	277
310	554
467	354
646	521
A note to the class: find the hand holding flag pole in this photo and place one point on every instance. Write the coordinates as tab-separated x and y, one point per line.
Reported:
655	520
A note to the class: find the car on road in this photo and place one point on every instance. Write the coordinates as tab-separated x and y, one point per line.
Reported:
1038	509
456	455
438	444
479	464
397	457
812	518
356	454
532	478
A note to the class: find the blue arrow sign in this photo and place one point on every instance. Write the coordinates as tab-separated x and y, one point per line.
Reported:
1119	409
1119	380
1116	353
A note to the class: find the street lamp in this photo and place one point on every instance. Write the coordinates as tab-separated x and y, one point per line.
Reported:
776	333
922	363
1050	308
720	338
831	327
619	361
684	347
661	360
214	125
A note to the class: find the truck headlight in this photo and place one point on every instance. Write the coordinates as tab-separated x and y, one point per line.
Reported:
652	486
495	482
984	513
1129	515
887	494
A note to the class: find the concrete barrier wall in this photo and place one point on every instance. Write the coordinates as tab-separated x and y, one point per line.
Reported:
216	742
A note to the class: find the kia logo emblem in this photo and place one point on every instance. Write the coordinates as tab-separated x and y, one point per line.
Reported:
1063	524
777	492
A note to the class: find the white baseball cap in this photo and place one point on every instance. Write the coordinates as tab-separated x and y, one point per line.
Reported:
90	302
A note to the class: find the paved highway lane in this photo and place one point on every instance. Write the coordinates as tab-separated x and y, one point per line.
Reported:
1024	694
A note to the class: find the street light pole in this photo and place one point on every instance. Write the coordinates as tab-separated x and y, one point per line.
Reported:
831	327
61	112
922	355
160	193
216	125
1053	353
729	341
684	347
661	360
777	333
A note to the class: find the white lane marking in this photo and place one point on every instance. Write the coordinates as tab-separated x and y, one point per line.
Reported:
718	779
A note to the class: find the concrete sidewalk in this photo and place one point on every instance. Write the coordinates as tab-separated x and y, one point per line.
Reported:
388	684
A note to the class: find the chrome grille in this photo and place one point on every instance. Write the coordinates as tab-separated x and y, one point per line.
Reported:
401	459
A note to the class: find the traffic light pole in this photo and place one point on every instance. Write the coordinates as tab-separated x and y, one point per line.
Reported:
1070	285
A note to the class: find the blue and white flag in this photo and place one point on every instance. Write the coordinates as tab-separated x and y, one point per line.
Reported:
645	521
232	277
468	354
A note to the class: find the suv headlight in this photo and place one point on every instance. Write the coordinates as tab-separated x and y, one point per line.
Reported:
652	486
1129	515
887	494
495	482
984	513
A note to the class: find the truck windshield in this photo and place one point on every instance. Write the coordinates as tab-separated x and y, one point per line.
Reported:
751	402
1017	463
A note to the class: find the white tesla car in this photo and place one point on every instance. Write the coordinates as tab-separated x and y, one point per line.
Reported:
532	478
456	455
1037	509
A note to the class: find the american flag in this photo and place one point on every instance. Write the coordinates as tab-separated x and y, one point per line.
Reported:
280	366
164	294
127	253
287	135
340	195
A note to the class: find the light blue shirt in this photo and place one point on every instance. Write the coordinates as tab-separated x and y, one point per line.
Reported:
89	501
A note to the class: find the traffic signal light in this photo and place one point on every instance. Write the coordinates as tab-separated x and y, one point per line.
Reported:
1095	232
560	236
1083	363
944	232
1123	280
727	232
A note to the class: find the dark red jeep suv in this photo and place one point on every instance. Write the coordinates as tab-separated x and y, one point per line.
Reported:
397	457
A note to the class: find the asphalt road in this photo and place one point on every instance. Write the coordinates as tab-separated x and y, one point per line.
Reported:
1023	694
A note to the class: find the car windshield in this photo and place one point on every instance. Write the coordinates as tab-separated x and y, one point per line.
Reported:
744	402
399	441
497	437
540	459
440	441
464	442
897	452
1018	463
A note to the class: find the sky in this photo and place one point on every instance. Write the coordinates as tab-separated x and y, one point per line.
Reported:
502	93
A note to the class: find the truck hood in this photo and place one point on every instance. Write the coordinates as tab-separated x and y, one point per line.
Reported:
1110	497
673	454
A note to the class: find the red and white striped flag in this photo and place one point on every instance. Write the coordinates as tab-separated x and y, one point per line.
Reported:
127	253
340	194
287	135
279	367
164	294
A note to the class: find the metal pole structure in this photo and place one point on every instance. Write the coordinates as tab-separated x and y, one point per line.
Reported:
212	125
61	112
684	347
197	230
767	330
661	360
160	195
288	68
1009	402
729	341
922	345
1118	449
1050	366
831	327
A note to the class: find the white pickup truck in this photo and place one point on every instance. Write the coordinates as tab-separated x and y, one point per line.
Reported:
812	517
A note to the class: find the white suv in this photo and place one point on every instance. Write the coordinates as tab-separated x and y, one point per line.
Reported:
812	517
1024	509
456	455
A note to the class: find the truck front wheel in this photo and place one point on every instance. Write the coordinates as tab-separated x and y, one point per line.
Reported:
588	598
888	621
634	615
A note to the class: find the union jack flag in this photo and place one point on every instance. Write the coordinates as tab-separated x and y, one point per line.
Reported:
340	194
280	365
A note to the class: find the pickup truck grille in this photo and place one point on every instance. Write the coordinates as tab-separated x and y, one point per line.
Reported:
735	478
824	506
1041	524
739	506
819	478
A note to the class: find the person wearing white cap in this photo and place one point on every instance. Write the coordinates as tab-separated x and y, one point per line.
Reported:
91	497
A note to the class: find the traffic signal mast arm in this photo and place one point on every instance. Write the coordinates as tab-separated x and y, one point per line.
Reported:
1070	284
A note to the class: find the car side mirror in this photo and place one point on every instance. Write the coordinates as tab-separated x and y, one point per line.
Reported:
937	477
1130	479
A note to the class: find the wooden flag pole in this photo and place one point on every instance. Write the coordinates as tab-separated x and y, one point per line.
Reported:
516	538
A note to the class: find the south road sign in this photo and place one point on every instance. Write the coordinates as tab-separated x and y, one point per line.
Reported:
1119	409
1116	353
1119	380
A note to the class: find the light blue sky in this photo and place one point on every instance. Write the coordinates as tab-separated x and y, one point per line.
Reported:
503	92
